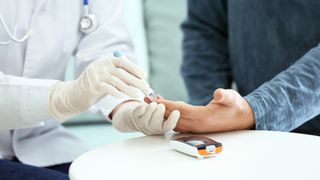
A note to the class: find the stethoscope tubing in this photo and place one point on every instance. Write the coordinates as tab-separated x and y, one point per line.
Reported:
12	36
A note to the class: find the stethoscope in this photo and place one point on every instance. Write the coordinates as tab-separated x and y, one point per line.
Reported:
88	23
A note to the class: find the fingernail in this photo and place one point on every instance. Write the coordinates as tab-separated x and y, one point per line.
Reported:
219	96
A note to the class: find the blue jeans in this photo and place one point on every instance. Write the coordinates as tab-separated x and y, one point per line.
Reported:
15	170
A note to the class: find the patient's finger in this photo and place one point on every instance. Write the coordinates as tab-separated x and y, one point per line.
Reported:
173	105
147	100
159	96
170	105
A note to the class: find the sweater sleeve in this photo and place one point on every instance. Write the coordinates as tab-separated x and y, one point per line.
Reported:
205	64
291	98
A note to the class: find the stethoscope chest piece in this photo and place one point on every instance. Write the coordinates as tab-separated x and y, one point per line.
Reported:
88	23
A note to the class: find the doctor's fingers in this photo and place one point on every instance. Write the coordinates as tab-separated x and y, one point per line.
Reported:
131	80
151	108
156	121
130	67
123	87
172	121
142	117
105	89
160	125
141	111
151	123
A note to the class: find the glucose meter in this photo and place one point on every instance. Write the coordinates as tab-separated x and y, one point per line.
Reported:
197	146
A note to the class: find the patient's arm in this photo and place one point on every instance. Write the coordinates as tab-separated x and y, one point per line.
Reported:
227	111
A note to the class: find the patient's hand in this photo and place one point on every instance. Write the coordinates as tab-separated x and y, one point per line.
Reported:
227	111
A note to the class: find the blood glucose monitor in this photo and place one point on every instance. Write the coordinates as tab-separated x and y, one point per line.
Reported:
197	146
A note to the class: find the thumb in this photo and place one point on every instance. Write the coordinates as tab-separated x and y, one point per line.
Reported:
224	97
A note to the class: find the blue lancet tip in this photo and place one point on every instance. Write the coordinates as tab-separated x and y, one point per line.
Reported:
117	54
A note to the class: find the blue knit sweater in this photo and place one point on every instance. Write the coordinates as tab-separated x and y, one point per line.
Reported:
269	48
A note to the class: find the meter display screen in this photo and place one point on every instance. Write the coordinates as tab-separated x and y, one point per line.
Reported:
195	143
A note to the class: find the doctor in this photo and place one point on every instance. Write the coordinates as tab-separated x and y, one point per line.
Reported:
37	38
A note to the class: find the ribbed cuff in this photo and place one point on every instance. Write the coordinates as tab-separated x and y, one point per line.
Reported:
258	111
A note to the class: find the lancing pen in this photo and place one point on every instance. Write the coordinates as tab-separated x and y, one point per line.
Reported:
150	92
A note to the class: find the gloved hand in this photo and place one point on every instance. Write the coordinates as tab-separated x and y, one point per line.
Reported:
146	118
108	76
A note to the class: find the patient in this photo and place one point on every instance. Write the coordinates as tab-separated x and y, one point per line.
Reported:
269	49
227	111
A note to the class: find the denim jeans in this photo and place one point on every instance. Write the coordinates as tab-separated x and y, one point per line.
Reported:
15	170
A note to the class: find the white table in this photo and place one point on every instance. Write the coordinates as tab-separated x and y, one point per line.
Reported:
246	155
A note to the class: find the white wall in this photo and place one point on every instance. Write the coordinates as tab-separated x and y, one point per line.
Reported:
135	21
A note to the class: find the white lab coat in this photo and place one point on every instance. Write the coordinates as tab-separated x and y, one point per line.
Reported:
28	69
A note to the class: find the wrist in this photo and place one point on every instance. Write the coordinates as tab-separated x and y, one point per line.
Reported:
249	116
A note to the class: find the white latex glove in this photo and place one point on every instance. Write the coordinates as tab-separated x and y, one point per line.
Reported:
108	76
146	118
